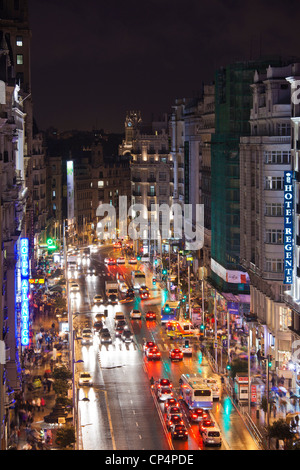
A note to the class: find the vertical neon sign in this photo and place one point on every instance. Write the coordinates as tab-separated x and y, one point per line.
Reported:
24	258
288	227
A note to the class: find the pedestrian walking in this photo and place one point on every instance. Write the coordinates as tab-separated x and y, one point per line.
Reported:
38	403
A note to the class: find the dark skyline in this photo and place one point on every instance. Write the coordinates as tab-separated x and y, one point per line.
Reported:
92	61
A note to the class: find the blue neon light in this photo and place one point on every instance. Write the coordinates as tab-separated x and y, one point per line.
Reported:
288	227
24	258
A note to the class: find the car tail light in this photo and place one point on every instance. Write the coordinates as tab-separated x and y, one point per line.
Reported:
185	432
194	416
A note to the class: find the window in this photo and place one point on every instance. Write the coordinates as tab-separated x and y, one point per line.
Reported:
274	182
19	41
284	129
278	157
274	236
19	59
53	194
100	184
274	265
274	209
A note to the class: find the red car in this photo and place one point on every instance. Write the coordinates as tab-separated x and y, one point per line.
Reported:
176	355
150	316
197	414
153	353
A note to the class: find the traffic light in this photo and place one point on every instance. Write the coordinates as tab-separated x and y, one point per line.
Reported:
164	272
167	309
202	327
156	262
228	367
138	258
270	360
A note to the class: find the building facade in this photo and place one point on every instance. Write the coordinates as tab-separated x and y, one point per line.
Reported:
264	157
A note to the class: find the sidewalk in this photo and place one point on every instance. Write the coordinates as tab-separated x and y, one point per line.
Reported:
30	418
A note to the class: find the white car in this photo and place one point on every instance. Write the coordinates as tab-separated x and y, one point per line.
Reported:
74	287
211	436
87	336
85	378
135	314
121	260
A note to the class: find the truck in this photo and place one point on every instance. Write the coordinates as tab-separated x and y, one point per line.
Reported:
111	290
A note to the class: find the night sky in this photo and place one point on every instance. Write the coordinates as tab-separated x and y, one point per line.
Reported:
93	60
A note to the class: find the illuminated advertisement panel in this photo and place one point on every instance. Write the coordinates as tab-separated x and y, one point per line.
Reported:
288	227
24	262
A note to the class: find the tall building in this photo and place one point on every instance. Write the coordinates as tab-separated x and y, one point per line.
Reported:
14	269
233	101
151	167
292	226
265	156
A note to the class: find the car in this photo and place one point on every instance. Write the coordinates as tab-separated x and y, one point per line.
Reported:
130	293
132	260
152	354
74	287
187	348
106	260
135	314
90	270
211	436
148	344
105	336
112	299
98	325
87	336
164	393
150	316
111	262
174	410
179	431
198	414
126	336
173	420
204	424
119	316
163	383
121	260
121	323
119	330
144	294
98	299
170	402
117	245
176	354
85	378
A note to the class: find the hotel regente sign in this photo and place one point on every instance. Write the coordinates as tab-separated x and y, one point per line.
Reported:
288	227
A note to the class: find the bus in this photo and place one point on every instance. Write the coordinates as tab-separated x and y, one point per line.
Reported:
138	279
195	392
170	311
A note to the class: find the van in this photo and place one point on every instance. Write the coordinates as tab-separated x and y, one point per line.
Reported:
211	436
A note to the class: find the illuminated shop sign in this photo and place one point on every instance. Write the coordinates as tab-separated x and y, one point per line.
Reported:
288	227
24	258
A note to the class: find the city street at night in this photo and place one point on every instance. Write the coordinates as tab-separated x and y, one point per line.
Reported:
149	229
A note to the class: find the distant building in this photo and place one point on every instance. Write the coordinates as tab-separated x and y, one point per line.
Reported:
151	167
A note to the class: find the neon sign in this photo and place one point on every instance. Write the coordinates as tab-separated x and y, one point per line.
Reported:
288	227
24	258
